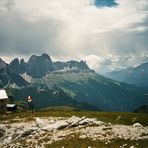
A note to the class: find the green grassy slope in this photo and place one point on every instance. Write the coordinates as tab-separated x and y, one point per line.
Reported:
125	118
97	90
43	98
83	90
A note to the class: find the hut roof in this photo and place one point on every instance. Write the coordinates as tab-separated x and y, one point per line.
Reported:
11	105
3	94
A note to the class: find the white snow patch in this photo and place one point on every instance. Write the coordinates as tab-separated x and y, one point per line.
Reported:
13	85
26	77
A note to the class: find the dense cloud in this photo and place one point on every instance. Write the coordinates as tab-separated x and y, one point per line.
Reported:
109	34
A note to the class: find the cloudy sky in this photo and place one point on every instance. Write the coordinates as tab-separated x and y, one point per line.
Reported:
108	34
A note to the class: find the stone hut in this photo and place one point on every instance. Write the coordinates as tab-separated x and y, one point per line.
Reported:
3	101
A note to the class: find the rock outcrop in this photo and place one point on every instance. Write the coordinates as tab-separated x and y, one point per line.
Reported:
10	77
39	66
43	131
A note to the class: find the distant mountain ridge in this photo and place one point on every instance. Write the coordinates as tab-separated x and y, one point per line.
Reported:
69	83
16	78
40	66
9	77
136	76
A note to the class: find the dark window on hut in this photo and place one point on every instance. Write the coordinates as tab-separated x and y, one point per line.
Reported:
2	101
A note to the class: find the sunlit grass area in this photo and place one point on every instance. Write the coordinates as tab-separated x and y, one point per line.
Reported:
108	117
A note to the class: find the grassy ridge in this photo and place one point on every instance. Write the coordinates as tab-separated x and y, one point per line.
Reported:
112	117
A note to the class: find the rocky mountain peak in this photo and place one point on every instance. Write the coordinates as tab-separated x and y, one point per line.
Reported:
46	56
23	66
15	65
80	65
18	66
10	77
39	66
2	64
143	66
40	59
134	75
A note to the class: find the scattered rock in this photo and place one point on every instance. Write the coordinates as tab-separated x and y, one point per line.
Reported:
74	121
48	130
2	132
137	125
123	146
27	133
118	118
39	122
82	136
